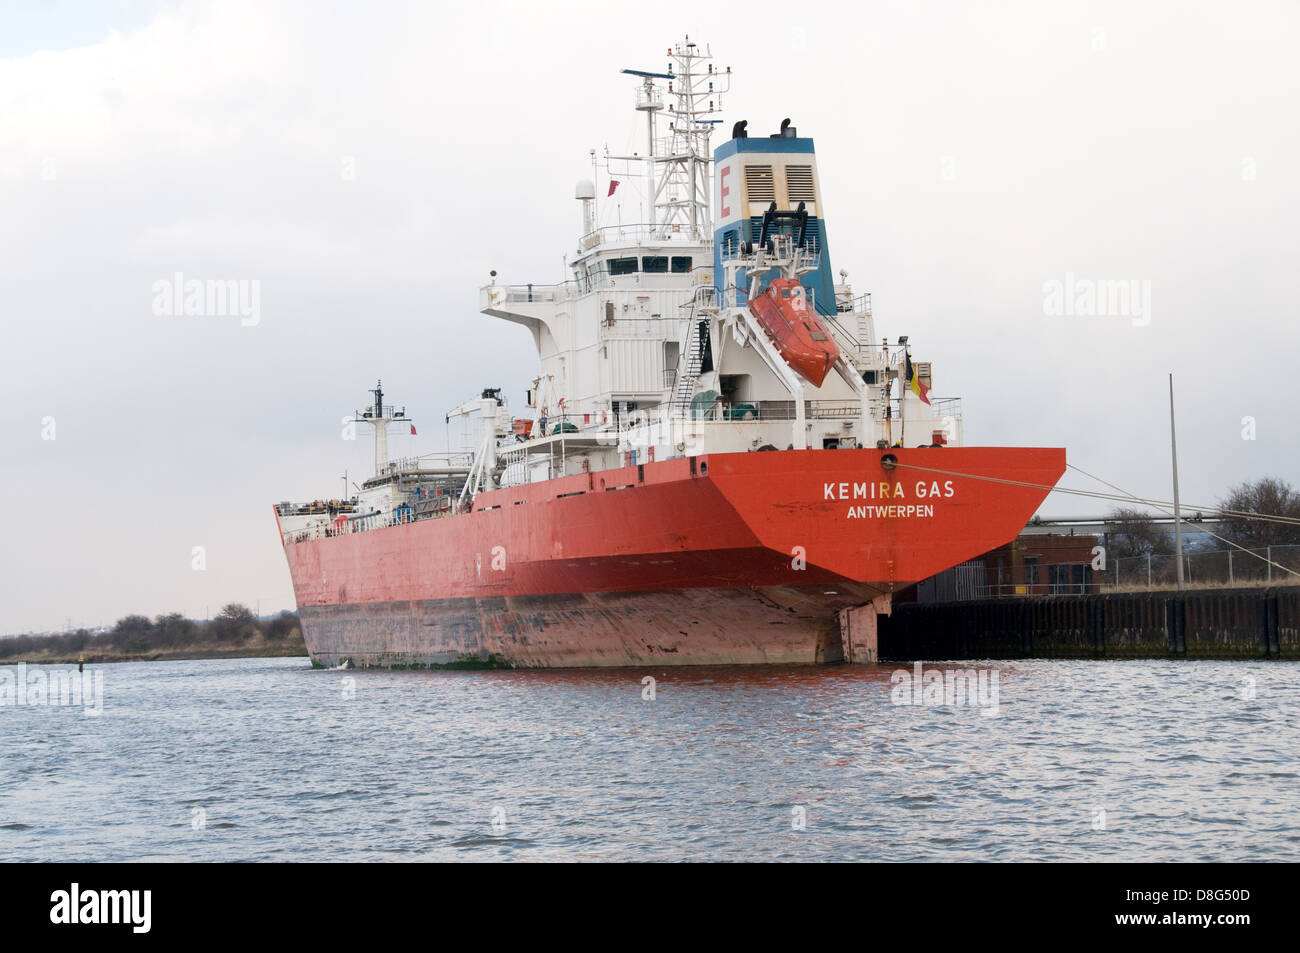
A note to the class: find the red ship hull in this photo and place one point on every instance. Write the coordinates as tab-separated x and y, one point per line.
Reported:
724	558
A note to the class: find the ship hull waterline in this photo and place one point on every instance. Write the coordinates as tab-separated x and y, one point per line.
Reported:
777	557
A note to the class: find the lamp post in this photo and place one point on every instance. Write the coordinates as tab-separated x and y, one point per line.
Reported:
1178	525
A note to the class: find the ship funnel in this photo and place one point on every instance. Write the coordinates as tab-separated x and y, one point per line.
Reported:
776	179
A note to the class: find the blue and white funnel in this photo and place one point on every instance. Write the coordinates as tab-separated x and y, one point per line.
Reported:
751	175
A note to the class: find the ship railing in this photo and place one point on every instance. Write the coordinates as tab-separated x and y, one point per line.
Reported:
809	259
939	409
601	421
492	296
454	458
649	97
408	465
737	411
327	530
641	232
859	305
946	407
704	297
741	410
318	508
608	428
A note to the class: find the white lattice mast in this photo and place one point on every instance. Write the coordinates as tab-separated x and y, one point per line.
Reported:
678	163
683	191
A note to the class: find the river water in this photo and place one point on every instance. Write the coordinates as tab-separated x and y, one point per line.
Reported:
269	759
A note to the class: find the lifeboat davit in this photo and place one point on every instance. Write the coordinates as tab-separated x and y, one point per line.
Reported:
795	328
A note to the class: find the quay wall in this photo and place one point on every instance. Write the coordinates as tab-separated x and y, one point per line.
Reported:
1207	624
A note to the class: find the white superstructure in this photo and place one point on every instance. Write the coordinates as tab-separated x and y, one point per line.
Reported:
650	349
647	353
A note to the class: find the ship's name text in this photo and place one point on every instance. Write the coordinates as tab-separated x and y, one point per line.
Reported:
924	490
886	491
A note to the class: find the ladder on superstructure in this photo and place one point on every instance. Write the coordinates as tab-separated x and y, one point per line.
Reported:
694	362
693	359
866	329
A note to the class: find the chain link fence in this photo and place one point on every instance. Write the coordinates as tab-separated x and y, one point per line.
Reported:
1274	565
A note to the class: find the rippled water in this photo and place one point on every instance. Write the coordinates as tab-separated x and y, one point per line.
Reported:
268	759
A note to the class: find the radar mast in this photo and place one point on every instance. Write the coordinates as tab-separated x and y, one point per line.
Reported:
677	163
380	416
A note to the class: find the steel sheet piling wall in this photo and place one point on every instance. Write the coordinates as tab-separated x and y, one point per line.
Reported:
1223	624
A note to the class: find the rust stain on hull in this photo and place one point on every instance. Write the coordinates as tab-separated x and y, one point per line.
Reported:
780	625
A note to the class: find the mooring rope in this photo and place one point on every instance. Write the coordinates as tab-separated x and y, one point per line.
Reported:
1162	505
1127	498
1206	531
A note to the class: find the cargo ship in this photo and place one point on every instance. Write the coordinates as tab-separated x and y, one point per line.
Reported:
721	462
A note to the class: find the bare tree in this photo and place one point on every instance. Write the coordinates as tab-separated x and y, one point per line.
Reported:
233	623
1131	532
1269	496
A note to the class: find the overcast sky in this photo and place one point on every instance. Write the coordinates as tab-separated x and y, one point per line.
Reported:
369	163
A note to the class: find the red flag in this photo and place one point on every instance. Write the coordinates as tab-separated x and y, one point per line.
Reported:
613	184
412	430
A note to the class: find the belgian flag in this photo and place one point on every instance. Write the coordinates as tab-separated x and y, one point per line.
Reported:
914	382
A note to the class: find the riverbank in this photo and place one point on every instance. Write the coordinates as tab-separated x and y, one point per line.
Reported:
259	648
235	633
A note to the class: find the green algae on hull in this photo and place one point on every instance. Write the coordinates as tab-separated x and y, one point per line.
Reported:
466	661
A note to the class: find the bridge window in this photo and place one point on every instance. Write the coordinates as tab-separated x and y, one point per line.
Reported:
657	264
681	263
622	266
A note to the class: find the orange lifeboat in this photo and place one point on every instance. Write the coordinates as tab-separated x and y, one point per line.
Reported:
797	331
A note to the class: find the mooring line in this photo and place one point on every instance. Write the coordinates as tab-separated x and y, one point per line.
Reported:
1203	529
1162	505
1204	510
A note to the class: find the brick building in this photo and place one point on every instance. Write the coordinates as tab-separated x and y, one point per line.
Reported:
1031	564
